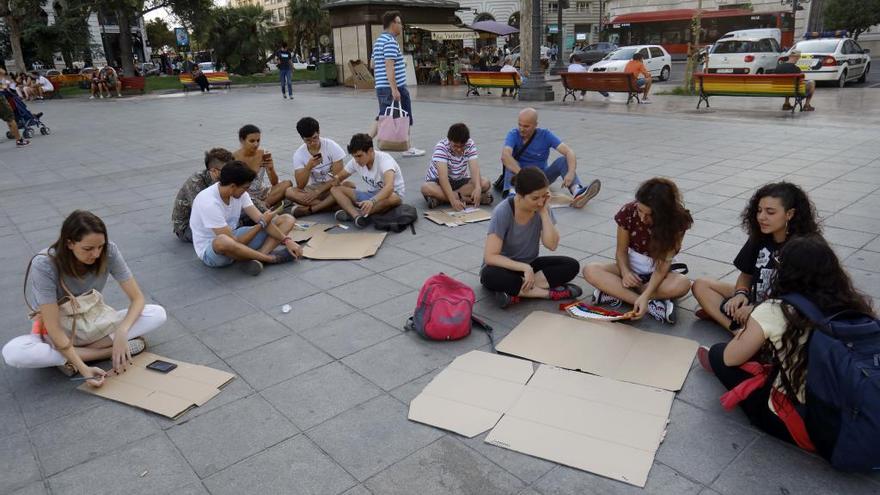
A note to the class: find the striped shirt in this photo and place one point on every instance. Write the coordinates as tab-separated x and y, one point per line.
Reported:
457	165
385	48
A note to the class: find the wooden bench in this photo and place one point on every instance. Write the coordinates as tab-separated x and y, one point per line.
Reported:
767	85
134	83
215	80
484	79
604	82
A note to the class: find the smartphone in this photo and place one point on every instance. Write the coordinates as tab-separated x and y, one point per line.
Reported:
267	157
161	366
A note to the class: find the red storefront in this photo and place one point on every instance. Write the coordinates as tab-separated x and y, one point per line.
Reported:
671	28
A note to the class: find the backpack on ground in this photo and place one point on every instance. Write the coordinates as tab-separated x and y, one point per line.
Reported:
444	310
842	413
397	219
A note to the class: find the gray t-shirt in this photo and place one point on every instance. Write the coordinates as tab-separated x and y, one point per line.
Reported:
43	281
519	242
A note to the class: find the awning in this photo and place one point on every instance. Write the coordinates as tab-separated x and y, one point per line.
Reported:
446	31
494	27
680	15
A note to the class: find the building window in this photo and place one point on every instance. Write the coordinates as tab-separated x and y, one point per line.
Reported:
583	6
552	6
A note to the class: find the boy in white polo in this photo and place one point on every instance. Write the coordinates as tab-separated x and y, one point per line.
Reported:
381	174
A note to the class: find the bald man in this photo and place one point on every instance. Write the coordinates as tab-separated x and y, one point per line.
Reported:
529	146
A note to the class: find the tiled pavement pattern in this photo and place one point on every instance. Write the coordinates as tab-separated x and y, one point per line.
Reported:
319	405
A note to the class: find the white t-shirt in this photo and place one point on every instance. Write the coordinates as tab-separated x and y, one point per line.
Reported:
576	68
45	84
210	212
508	68
375	177
330	152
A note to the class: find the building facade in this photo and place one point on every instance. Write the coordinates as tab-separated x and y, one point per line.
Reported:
279	10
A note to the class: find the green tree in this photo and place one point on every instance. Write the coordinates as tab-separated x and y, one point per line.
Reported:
856	16
15	14
306	23
239	37
159	34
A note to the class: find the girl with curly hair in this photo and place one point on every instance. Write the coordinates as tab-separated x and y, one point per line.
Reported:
650	231
776	213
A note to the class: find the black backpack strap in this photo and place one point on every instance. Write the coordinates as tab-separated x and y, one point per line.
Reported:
486	328
681	268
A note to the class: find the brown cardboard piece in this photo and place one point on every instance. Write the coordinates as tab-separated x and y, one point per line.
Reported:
469	396
304	231
588	422
612	350
360	78
324	246
455	218
169	394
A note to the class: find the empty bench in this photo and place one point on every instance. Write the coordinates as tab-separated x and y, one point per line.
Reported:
484	79
215	80
604	82
766	85
136	84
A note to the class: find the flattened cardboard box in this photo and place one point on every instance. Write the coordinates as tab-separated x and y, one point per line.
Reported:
169	394
324	246
304	231
612	350
456	218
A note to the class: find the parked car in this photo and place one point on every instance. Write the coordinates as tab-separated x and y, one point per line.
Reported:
655	58
207	67
833	59
149	69
591	54
749	51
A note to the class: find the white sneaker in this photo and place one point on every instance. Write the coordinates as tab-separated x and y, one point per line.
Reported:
92	97
581	97
102	97
412	152
662	310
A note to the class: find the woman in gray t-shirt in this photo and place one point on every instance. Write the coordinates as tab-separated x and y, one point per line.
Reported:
82	258
511	266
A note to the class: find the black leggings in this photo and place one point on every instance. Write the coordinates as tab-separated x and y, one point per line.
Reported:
558	270
755	406
202	81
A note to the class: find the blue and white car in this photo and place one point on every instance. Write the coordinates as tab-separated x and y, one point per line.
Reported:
833	59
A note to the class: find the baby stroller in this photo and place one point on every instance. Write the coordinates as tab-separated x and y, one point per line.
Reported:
23	117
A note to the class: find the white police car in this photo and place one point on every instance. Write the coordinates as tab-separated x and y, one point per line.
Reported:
833	57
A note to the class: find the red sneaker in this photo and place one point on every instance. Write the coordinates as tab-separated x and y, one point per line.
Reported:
702	314
703	358
567	291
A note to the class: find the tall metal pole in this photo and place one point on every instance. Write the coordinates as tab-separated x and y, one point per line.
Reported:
535	87
559	66
601	18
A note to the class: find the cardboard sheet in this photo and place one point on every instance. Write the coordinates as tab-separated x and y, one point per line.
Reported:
469	396
324	246
612	350
453	218
169	394
588	422
304	231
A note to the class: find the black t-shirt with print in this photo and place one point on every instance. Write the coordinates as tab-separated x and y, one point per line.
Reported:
285	57
758	259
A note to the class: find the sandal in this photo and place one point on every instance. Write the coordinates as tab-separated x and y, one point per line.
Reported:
787	106
487	198
808	108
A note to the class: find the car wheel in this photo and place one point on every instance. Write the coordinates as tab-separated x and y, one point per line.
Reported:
759	71
664	74
841	82
864	77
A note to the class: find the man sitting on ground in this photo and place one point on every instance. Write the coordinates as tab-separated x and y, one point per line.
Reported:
197	182
454	174
219	240
315	163
790	67
527	145
643	75
381	174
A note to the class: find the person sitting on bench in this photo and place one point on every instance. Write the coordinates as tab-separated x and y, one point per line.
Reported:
381	174
454	175
643	75
790	67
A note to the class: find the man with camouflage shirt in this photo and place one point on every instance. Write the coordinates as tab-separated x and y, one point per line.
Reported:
214	161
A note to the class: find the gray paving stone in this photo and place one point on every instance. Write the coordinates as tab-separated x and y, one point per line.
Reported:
398	360
414	274
320	394
147	467
229	434
219	310
243	334
194	489
314	310
408	391
388	257
20	467
11	419
45	395
349	334
864	260
186	348
567	481
368	291
771	466
335	274
429	245
358	490
77	438
294	467
189	292
444	467
277	361
35	488
270	295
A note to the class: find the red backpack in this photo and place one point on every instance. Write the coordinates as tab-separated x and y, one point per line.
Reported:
444	310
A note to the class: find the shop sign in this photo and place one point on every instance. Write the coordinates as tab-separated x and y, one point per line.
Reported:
454	35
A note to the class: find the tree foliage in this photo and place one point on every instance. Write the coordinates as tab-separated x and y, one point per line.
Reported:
159	34
856	16
240	37
15	15
307	22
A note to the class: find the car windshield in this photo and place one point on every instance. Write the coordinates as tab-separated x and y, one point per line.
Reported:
622	54
817	46
734	46
206	66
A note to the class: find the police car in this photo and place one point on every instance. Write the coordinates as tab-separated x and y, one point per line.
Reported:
832	57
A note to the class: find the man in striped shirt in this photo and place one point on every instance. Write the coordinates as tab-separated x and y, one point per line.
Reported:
454	175
389	71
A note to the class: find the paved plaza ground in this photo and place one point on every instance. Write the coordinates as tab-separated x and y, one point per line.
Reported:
320	398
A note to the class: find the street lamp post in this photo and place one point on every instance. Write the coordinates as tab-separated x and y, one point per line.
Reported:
559	66
535	87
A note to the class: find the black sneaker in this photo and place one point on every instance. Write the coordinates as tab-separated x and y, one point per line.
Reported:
361	222
342	216
603	93
433	203
21	143
251	267
602	298
505	300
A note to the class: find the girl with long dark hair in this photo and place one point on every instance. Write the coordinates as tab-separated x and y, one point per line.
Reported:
775	213
650	231
805	265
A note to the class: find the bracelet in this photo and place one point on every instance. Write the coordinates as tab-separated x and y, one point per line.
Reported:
741	292
262	224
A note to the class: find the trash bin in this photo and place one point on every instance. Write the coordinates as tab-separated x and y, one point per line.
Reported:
327	74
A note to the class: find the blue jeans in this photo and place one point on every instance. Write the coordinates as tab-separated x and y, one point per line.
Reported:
385	100
286	78
216	260
555	170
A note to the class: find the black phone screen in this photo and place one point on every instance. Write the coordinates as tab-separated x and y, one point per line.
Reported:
161	366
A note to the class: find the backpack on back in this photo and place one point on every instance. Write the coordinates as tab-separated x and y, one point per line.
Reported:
444	310
843	386
397	219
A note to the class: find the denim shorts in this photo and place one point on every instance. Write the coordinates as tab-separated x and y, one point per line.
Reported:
215	260
364	195
385	100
